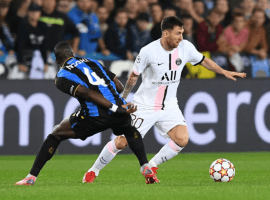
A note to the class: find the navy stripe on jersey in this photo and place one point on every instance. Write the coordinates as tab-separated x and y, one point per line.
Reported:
113	90
165	94
170	63
108	94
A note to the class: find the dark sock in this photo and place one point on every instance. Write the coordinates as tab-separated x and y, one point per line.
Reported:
45	153
135	143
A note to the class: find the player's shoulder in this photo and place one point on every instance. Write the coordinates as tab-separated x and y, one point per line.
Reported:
148	49
186	45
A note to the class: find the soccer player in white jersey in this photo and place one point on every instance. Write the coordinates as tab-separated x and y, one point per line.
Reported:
160	63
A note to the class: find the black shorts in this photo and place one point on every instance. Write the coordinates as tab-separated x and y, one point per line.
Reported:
85	127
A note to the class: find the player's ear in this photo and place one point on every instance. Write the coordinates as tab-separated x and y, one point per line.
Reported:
165	33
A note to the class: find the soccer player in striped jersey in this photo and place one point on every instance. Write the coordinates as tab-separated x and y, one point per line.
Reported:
97	89
160	63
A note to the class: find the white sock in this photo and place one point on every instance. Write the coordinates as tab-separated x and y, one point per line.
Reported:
29	175
167	152
106	155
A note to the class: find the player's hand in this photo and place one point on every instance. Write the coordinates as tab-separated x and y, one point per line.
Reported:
130	110
231	75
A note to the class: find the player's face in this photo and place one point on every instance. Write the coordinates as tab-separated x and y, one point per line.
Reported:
175	36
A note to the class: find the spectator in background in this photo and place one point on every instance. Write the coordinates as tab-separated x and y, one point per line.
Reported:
18	11
118	36
188	29
103	15
94	6
132	9
265	6
247	7
88	24
58	24
143	6
257	42
235	36
6	38
156	30
209	31
199	7
156	13
140	33
110	6
64	6
222	7
38	2
31	37
186	7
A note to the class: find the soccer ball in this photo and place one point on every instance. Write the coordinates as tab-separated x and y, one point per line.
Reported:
222	170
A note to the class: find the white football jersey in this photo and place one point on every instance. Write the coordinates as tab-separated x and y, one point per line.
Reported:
161	72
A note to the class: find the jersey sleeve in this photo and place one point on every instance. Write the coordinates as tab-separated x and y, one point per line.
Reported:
67	86
194	57
141	62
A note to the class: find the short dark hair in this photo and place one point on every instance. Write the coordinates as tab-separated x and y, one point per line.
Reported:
186	16
257	10
238	14
120	10
62	51
170	22
155	4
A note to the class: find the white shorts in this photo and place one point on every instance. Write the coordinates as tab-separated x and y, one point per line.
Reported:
163	120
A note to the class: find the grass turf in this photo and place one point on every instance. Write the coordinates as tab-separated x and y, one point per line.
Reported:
184	177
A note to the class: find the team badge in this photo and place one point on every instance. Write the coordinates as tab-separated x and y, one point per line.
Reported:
178	61
138	60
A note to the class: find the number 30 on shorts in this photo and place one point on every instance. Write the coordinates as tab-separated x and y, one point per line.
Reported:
136	122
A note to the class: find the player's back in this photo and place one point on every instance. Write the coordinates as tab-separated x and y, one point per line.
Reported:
92	75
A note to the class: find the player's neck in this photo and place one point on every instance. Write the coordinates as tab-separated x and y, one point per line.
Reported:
165	45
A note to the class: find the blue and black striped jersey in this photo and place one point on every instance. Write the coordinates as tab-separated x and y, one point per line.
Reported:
92	75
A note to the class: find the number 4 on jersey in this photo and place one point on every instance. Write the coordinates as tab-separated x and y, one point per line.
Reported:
99	81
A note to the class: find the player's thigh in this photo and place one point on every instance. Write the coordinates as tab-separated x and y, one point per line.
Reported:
63	130
169	120
143	120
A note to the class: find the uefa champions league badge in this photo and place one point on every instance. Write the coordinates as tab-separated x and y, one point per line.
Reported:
178	61
138	59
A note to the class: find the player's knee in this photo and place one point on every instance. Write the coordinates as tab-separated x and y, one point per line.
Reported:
181	138
120	142
58	133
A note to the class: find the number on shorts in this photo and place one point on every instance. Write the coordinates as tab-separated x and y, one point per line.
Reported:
136	122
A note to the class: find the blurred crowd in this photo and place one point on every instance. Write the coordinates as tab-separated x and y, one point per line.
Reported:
123	27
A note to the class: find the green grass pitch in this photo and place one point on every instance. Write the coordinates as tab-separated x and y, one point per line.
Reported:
185	177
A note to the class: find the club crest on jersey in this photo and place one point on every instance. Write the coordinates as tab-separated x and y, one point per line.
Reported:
178	61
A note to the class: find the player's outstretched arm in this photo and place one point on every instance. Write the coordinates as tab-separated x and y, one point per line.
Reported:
131	82
211	65
93	96
118	84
